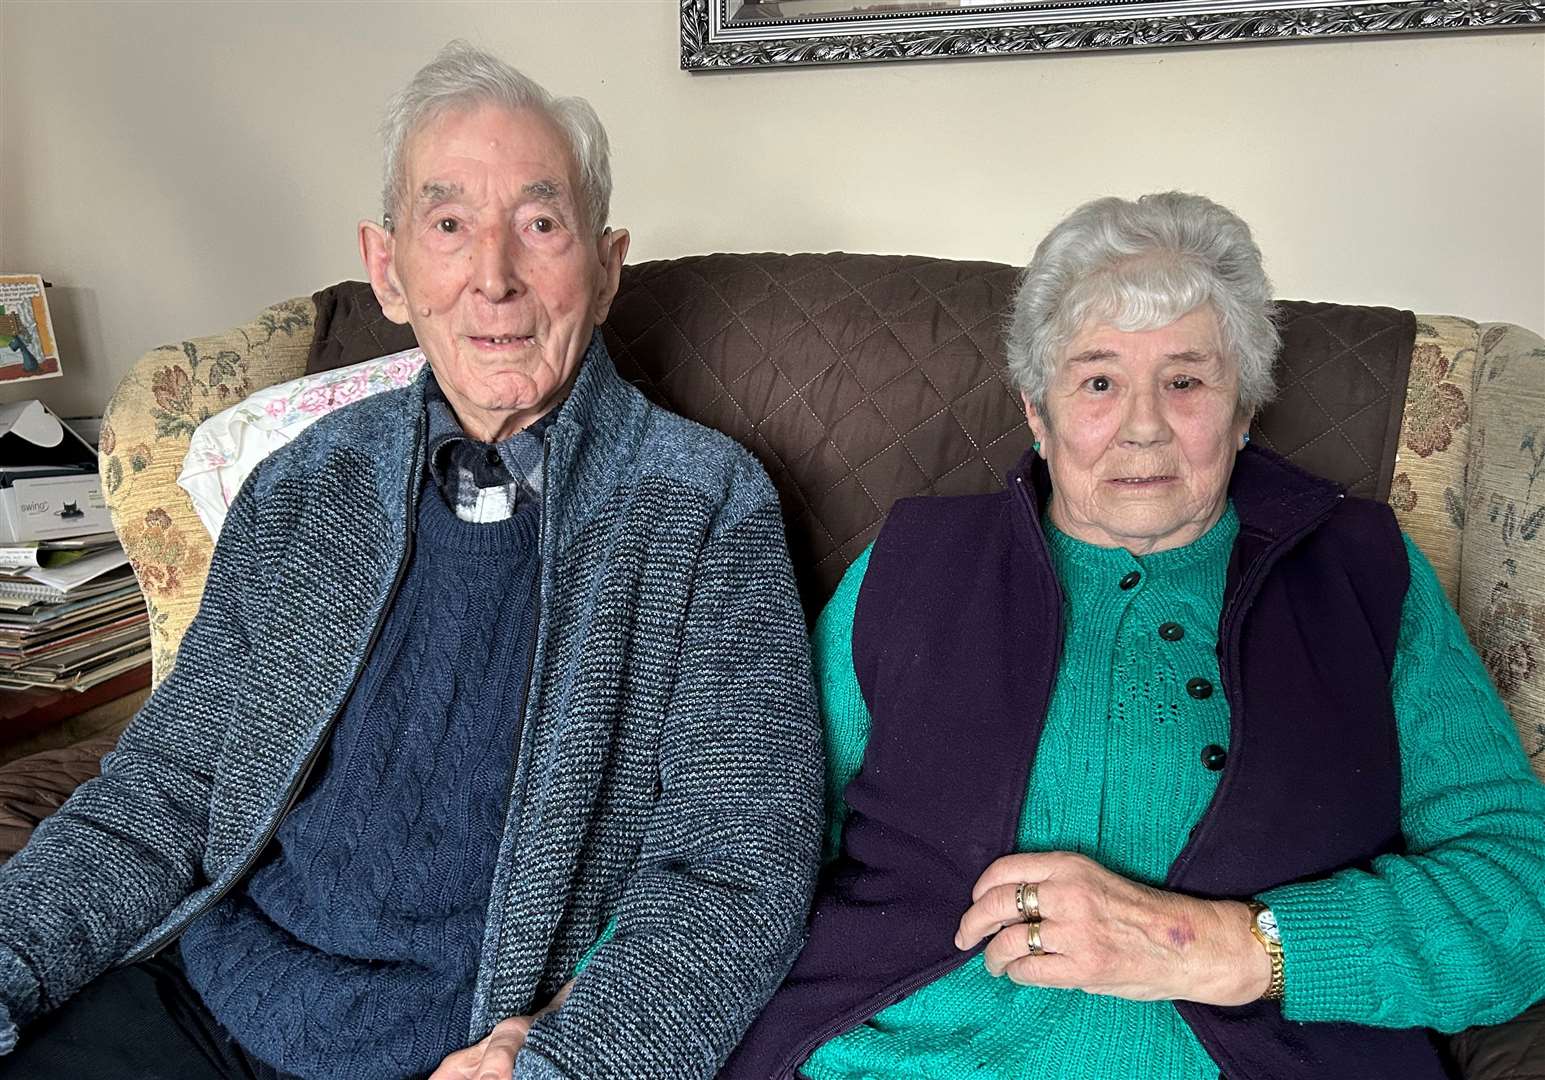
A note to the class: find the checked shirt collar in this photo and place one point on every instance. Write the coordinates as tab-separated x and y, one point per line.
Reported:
482	482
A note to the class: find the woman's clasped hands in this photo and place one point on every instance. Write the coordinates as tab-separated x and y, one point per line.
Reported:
1105	934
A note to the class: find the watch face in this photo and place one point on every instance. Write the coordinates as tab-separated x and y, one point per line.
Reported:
1266	923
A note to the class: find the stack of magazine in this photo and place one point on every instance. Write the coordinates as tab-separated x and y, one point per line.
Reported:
71	613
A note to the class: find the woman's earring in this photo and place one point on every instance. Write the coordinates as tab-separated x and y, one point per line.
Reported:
1036	446
1246	441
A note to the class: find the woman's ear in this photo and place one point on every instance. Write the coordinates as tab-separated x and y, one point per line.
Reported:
1242	429
1037	421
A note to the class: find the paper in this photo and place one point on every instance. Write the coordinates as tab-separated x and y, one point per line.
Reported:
32	421
51	553
28	349
72	575
19	556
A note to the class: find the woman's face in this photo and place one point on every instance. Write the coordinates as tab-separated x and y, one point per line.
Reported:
1140	429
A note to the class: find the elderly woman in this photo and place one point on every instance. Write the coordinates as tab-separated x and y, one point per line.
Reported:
1168	760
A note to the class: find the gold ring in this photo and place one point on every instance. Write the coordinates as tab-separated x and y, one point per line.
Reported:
1027	901
1034	941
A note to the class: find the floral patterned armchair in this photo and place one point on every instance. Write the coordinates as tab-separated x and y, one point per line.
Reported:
145	434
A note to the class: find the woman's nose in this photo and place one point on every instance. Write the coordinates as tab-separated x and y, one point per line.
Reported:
1142	422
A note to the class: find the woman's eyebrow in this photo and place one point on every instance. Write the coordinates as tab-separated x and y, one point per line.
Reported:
1089	356
1193	356
1184	356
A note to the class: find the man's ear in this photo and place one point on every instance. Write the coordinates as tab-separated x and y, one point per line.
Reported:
613	250
376	247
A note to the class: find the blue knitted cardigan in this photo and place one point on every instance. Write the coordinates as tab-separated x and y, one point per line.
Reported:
669	773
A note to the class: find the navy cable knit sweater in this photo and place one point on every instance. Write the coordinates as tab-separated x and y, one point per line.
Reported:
352	953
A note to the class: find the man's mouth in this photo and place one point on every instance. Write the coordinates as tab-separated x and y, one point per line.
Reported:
487	341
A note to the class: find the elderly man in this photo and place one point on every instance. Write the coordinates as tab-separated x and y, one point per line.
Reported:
493	746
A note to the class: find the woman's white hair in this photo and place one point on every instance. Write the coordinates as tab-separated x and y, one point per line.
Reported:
464	77
1140	266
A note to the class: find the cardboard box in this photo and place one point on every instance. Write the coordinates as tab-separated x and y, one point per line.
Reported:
51	506
49	488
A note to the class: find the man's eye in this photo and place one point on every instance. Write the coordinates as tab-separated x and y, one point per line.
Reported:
1099	384
448	225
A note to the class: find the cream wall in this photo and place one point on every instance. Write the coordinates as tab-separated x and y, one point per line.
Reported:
175	167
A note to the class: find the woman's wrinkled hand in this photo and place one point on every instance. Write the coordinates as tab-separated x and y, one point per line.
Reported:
494	1057
1107	935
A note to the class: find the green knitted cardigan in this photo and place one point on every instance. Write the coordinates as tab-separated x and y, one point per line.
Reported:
1445	937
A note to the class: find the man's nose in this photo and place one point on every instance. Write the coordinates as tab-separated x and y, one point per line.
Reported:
496	269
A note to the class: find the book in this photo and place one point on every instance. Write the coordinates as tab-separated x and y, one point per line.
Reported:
28	348
82	679
26	590
75	573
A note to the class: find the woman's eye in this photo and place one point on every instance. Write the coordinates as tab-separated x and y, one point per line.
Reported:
447	225
1099	384
1182	382
544	225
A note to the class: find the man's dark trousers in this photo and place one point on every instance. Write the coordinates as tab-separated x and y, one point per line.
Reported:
142	1022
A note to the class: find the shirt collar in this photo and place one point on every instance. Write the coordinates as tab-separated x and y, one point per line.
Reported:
520	454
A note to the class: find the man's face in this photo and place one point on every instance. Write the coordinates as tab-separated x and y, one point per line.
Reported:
494	264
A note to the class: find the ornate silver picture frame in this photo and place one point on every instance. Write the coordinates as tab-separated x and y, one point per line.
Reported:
724	34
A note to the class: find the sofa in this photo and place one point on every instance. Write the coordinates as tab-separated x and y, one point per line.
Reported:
861	379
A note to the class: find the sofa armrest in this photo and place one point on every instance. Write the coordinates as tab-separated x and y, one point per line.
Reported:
1511	1051
1502	561
33	787
1469	487
145	434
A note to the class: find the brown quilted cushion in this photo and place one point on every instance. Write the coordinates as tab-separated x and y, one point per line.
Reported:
862	379
350	328
1511	1051
33	787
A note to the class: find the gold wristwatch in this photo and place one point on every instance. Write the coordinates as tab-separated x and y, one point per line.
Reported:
1263	924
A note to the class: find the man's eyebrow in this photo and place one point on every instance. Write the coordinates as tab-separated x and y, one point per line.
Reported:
547	191
438	191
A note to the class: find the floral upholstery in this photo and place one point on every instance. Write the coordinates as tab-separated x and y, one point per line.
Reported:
145	435
1469	487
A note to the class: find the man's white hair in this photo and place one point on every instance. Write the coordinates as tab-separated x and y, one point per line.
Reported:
464	77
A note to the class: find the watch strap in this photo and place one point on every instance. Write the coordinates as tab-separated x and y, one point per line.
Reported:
1273	947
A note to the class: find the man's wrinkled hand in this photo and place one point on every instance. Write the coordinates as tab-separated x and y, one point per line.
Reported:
494	1057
